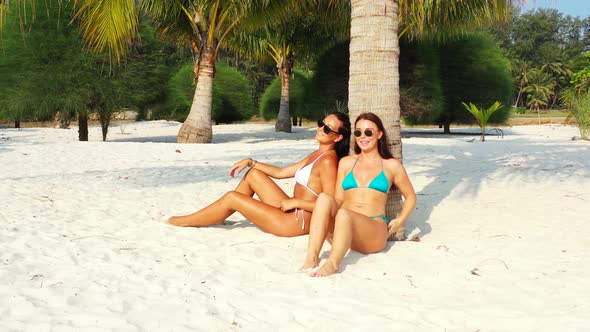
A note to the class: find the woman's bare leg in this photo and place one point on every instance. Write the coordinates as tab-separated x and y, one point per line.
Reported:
356	231
253	182
321	218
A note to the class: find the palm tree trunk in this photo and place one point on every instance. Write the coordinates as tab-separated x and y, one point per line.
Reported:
518	97
284	119
374	74
197	126
83	126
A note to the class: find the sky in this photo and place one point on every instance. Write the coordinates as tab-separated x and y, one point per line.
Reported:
579	8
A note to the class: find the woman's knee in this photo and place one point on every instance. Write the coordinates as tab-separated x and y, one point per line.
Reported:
324	199
253	175
343	218
229	197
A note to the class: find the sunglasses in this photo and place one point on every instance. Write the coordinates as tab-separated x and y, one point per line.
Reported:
327	129
368	132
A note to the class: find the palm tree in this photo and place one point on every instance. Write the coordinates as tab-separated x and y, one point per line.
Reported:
560	75
539	90
111	26
283	40
522	70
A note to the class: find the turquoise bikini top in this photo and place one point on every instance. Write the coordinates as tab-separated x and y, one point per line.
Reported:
379	183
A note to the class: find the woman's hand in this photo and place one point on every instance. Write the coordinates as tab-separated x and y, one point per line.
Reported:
239	166
394	225
289	204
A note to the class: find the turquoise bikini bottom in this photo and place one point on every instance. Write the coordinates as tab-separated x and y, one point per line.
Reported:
383	217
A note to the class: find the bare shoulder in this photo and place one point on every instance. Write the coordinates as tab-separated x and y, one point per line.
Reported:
330	159
393	165
347	161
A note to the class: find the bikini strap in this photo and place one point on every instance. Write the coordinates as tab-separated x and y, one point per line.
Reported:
356	161
316	159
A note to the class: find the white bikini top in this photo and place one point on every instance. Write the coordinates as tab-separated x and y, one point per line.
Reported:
304	172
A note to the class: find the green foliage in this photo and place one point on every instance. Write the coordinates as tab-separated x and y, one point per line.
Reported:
473	68
44	70
179	95
271	98
581	78
580	111
232	95
328	86
538	89
421	94
545	36
482	115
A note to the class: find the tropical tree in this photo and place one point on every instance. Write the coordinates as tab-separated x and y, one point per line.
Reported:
560	74
521	70
482	115
539	90
111	25
283	40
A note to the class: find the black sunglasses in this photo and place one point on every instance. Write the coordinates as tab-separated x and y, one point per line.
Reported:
327	129
368	132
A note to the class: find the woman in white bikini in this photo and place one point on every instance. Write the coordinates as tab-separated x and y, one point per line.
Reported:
275	212
355	217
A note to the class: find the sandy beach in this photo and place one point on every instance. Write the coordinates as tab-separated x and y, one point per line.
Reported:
504	229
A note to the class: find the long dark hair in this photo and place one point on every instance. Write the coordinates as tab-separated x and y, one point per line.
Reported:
382	143
342	147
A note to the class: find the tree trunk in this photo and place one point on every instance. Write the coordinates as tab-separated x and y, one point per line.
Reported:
374	74
197	126
83	126
283	119
518	97
447	126
17	123
105	120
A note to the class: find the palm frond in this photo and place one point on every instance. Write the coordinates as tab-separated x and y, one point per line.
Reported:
441	19
108	25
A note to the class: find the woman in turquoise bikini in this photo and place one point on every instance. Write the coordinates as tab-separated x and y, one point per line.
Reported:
354	218
275	212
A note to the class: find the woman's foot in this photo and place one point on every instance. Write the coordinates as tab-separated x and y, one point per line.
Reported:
175	221
310	264
327	269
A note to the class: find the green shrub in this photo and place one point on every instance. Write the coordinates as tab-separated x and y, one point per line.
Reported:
271	98
519	110
421	94
580	112
232	95
474	69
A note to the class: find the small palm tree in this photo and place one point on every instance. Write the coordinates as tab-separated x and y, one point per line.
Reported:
483	115
539	90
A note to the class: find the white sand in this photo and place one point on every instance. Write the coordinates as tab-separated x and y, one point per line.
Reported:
504	228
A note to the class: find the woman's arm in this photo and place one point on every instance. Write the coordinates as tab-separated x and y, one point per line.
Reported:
402	182
344	167
270	170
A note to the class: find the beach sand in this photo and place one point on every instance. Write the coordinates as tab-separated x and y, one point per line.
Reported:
504	229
